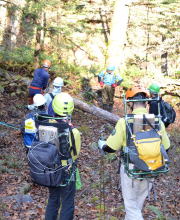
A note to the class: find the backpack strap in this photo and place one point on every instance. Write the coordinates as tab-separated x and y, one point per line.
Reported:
129	128
163	111
148	122
52	96
73	142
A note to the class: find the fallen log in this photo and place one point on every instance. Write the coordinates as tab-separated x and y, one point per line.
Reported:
92	109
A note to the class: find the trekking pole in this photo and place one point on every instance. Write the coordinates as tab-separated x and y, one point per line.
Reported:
102	184
102	187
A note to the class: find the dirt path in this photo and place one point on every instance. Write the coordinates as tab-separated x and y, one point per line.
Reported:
99	198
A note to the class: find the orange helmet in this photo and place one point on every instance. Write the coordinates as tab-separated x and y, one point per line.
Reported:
134	91
46	63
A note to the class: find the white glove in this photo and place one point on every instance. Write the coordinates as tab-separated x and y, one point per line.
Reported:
31	107
101	143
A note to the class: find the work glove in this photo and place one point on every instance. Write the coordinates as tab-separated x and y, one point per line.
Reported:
101	143
114	85
101	83
31	107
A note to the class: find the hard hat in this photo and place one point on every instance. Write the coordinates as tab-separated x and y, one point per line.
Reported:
135	90
63	104
111	68
154	88
46	63
58	82
39	100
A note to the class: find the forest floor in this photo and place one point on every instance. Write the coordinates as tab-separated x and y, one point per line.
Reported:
100	197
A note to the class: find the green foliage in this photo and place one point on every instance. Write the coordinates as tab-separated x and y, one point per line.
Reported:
177	74
159	214
89	95
94	199
19	55
130	75
17	59
167	2
113	218
3	208
11	162
111	157
25	189
4	169
63	68
84	129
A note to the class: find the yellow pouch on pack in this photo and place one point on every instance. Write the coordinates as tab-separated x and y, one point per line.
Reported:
150	152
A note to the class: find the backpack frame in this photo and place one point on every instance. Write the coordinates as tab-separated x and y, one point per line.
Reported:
133	172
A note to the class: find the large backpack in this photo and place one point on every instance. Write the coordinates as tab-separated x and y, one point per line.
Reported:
167	112
50	159
144	156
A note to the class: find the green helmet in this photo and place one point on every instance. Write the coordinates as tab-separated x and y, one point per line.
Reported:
63	104
154	88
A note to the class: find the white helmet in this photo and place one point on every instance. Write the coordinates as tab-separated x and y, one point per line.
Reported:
58	82
39	100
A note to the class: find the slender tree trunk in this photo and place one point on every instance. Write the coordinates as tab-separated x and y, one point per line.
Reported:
104	27
3	17
118	30
164	60
12	22
40	34
117	39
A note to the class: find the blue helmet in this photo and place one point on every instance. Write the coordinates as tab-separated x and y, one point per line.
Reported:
111	68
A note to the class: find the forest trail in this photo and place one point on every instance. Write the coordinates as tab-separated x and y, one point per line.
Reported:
99	197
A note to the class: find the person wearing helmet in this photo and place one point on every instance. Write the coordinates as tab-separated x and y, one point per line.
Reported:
154	90
57	87
28	129
40	80
108	80
134	191
62	197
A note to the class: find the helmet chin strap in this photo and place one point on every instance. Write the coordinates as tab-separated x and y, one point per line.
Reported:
56	91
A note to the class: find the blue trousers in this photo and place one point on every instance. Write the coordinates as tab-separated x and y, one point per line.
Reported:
61	198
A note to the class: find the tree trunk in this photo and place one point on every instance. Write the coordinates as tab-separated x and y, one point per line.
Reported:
12	18
118	33
117	39
92	109
40	34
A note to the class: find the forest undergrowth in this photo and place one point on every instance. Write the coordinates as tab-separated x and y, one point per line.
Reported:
100	197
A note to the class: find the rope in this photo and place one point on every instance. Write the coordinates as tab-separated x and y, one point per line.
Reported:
10	125
102	188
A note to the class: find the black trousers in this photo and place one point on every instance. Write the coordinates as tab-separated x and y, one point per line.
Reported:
61	198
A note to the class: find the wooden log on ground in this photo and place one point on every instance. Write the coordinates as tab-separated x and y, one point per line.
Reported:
92	109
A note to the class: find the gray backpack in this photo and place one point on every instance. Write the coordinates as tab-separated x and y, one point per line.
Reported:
45	158
45	165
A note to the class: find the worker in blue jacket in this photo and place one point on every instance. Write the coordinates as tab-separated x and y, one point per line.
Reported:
40	80
109	81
